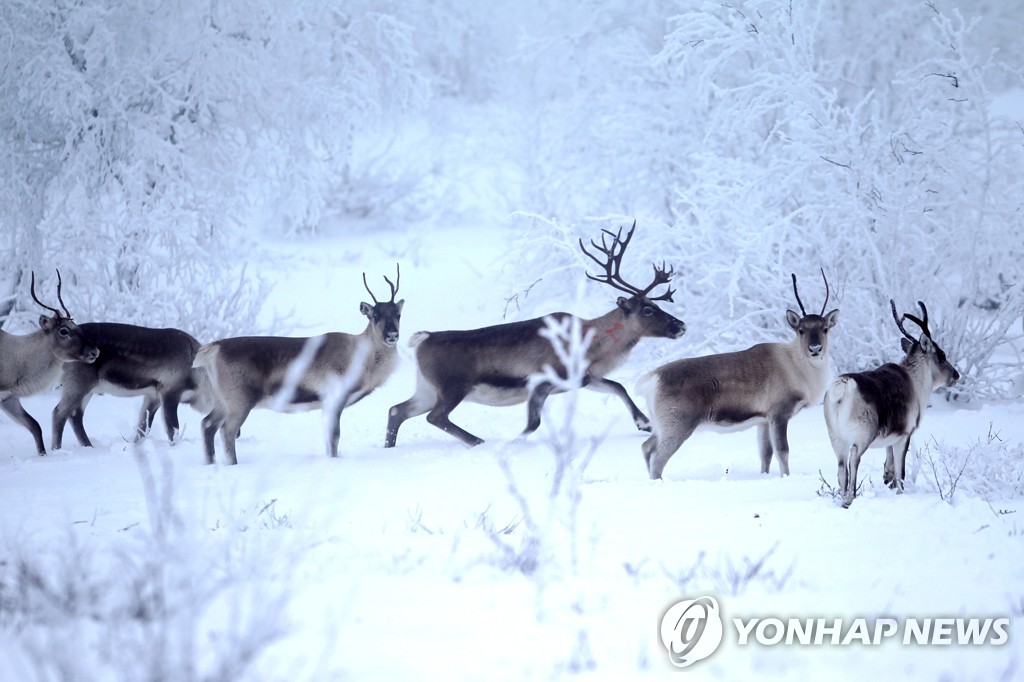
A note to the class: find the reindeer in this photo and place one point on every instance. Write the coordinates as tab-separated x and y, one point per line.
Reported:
493	365
246	372
30	364
154	363
765	385
883	407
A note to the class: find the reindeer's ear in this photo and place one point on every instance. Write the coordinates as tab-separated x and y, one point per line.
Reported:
399	305
45	323
623	303
793	319
926	343
905	345
832	318
366	309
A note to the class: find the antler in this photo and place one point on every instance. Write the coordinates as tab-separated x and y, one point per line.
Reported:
661	276
613	262
393	285
899	320
60	298
32	290
825	304
797	294
801	303
923	324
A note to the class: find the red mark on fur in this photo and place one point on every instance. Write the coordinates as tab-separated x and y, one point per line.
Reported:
613	331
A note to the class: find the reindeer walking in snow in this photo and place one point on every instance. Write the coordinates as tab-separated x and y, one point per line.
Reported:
493	365
881	408
31	363
764	385
246	372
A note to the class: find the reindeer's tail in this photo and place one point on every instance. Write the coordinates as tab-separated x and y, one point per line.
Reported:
836	399
418	338
647	387
204	390
206	355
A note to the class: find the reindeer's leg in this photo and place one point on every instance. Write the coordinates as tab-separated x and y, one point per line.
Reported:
448	400
69	405
424	398
228	434
670	440
852	464
777	428
169	401
77	383
211	422
900	462
334	424
12	407
78	422
603	385
764	446
649	447
536	404
888	473
842	473
150	404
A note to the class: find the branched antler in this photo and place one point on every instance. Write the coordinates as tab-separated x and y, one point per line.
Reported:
661	276
612	263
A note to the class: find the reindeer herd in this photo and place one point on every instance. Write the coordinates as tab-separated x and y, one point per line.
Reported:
764	385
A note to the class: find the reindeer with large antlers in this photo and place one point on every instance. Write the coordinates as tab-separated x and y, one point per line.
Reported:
331	371
493	365
881	408
31	363
764	385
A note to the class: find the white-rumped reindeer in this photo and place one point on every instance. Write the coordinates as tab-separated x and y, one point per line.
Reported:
764	385
154	363
31	363
883	407
331	371
493	365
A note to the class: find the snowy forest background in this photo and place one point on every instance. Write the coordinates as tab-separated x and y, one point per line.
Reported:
147	148
230	168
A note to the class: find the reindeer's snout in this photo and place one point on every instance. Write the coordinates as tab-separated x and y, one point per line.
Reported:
814	349
391	338
90	353
677	330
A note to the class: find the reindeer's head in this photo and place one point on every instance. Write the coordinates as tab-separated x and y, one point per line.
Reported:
384	316
943	373
640	308
66	339
812	329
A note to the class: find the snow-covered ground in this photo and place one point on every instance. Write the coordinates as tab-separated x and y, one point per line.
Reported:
141	562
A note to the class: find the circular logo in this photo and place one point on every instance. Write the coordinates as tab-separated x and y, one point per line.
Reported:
691	630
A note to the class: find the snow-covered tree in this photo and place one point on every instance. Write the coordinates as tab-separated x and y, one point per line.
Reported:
140	142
